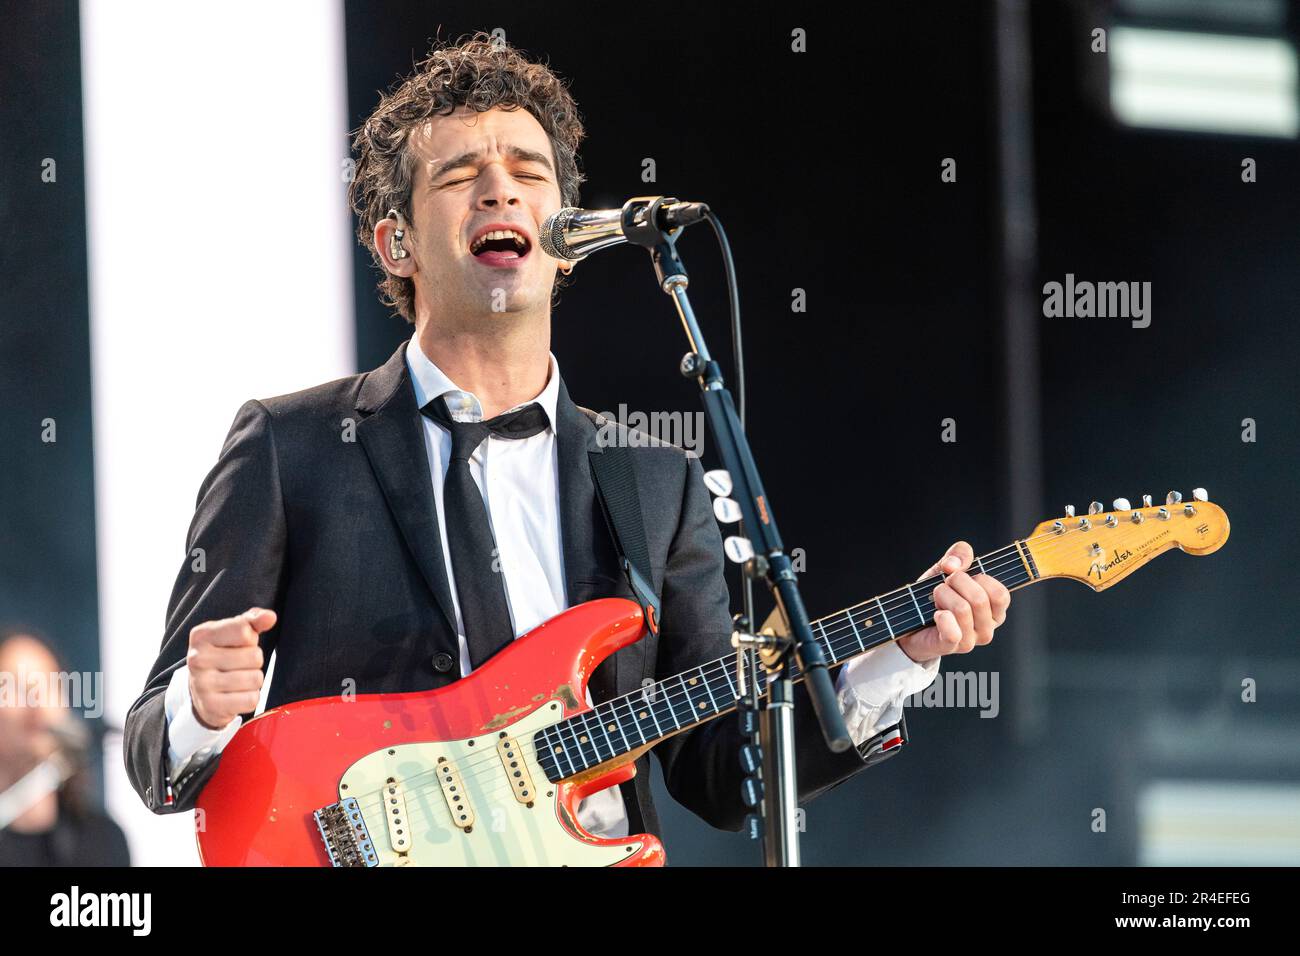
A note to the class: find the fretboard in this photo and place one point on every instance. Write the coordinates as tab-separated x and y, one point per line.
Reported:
624	724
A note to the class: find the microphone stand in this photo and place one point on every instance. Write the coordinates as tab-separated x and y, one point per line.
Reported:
647	224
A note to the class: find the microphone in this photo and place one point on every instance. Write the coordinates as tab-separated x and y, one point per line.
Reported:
574	233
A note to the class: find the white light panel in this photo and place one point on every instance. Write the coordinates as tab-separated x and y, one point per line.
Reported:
1215	823
1203	82
221	270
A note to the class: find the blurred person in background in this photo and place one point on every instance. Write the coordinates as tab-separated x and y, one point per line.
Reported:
46	815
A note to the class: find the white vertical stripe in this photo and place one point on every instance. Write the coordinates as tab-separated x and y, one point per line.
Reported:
220	261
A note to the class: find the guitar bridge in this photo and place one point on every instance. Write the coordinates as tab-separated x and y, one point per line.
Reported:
345	835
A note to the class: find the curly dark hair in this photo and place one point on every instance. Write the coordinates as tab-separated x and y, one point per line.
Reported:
481	72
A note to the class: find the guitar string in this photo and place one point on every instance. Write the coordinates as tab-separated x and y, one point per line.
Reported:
710	678
437	811
1000	560
714	681
709	673
995	562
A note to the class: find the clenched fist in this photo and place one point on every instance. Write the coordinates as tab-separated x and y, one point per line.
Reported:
225	665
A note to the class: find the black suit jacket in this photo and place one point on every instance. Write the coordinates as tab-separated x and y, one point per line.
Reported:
322	508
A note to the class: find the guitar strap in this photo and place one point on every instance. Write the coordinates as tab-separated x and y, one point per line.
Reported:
621	506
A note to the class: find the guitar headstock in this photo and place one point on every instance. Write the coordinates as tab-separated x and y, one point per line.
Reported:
1103	547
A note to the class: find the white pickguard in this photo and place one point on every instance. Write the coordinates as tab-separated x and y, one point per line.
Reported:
505	832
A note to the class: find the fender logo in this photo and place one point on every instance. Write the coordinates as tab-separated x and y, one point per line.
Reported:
1098	568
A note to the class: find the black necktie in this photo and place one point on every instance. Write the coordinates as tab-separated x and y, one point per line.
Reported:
479	587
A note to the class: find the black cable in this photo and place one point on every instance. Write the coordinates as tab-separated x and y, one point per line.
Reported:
738	358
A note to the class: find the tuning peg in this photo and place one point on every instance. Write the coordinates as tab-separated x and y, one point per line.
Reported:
1121	504
1146	501
1200	494
1096	508
738	549
1173	498
726	510
1069	511
718	481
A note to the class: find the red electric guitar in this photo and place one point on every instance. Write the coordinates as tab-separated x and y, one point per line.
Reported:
488	771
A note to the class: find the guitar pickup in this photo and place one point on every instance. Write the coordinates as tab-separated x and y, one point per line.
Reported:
399	829
453	791
521	781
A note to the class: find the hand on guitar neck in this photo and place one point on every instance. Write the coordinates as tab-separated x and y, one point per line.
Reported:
969	609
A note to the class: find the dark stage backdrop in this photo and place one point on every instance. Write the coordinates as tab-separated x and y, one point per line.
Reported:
47	502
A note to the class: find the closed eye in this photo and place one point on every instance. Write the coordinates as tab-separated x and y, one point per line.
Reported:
457	182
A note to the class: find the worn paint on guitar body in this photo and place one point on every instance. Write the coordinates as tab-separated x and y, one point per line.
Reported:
257	810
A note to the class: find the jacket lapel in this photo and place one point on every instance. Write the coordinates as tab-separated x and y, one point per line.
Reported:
575	436
582	529
392	433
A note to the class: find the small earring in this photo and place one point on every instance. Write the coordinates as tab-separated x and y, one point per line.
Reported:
567	269
395	250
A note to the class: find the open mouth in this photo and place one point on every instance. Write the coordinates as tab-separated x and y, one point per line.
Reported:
500	247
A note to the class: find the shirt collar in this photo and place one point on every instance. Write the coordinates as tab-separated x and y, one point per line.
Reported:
431	382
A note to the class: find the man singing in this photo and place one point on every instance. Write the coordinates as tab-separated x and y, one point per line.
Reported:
390	531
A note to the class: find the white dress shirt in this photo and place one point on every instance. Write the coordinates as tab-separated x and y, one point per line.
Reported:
519	479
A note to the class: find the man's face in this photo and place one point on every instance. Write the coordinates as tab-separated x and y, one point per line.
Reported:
25	737
475	171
